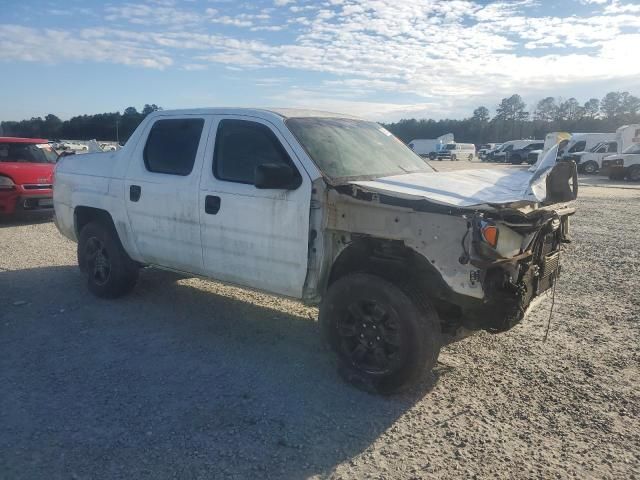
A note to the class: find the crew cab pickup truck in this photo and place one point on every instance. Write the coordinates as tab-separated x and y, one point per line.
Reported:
327	209
26	170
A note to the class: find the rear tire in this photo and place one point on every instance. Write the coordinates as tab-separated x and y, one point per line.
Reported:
385	337
590	167
454	158
470	158
432	156
109	271
634	173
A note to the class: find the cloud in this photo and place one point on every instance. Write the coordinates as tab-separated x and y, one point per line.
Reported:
617	7
54	46
455	51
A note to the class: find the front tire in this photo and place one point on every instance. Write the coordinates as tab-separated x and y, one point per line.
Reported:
453	158
634	173
384	336
590	167
109	271
470	158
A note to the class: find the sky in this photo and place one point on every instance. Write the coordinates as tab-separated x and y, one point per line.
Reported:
379	59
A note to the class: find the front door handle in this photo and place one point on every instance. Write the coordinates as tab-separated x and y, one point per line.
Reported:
134	192
212	204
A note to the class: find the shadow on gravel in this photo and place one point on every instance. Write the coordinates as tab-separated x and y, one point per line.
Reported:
172	381
21	220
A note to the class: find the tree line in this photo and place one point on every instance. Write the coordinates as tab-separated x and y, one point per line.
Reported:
512	120
102	126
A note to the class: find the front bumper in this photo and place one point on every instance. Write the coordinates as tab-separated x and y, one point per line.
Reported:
609	166
21	200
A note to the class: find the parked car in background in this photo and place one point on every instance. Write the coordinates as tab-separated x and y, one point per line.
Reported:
500	154
430	147
74	146
488	155
518	155
485	148
457	151
26	175
591	161
581	142
533	156
623	165
327	209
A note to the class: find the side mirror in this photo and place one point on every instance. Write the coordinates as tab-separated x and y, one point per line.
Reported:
276	176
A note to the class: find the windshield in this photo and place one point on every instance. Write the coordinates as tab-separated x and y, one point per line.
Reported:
634	149
345	149
27	153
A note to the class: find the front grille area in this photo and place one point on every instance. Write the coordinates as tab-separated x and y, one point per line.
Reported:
549	272
550	265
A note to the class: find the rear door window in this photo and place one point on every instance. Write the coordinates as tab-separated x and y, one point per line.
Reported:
172	145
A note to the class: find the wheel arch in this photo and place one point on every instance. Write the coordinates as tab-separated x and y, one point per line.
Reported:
399	264
83	215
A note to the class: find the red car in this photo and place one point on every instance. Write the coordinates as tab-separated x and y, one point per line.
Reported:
26	175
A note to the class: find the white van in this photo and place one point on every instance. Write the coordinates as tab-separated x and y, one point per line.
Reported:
583	142
457	151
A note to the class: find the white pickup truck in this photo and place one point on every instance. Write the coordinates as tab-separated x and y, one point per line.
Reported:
624	165
327	209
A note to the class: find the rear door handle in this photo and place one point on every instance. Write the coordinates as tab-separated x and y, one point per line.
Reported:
134	192
212	204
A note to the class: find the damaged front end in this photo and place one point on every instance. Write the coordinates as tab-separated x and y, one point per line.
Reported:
481	245
512	279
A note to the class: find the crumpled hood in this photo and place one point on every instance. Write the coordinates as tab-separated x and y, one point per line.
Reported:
468	188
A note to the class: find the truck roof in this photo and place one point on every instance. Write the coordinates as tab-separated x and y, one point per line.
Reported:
22	140
259	112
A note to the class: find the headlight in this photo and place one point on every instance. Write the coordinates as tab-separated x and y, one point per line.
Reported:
489	233
6	183
617	162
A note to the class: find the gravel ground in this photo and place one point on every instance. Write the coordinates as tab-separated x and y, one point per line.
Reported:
193	379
